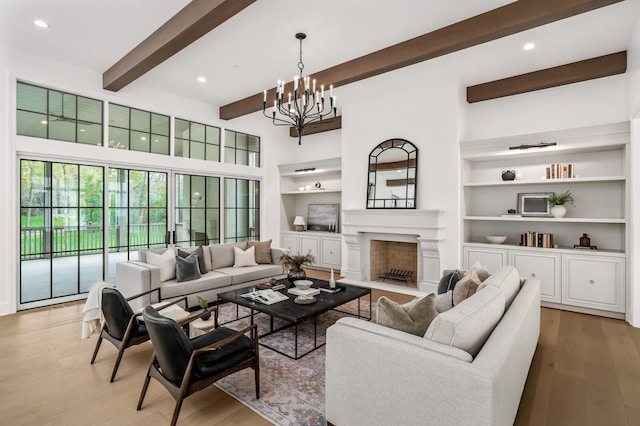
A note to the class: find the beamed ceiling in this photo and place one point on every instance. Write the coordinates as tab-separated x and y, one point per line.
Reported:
243	46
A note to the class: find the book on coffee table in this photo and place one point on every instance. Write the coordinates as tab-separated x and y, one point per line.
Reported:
299	292
267	297
328	289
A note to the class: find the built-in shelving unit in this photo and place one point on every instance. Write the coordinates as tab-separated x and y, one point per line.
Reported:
298	190
600	190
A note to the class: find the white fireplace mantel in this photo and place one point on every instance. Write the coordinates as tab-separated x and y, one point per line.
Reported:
422	226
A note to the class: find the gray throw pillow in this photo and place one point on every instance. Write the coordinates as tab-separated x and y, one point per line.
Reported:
413	317
187	268
202	265
449	280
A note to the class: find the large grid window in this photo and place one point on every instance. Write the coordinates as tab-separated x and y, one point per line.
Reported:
241	148
196	140
61	229
197	210
241	210
138	130
52	114
137	214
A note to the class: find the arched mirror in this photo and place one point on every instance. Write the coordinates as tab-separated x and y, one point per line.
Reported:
392	175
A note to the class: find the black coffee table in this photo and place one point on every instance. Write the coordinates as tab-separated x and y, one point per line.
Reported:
294	313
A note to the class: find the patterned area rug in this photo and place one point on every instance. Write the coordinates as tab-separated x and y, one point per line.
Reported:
292	392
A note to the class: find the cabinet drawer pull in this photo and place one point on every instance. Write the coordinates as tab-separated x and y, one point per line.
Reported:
533	275
592	282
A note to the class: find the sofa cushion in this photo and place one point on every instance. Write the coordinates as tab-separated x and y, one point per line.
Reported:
210	280
468	325
508	280
222	255
466	287
449	280
199	252
263	251
413	317
206	256
251	273
165	261
244	258
444	301
481	270
187	269
142	253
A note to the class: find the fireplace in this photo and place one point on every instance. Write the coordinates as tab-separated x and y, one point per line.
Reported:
393	262
420	227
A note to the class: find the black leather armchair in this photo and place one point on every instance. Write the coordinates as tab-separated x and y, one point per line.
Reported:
186	366
122	327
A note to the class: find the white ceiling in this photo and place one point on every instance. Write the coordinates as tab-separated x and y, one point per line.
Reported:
252	50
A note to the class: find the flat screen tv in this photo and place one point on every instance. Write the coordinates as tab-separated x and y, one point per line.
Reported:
323	217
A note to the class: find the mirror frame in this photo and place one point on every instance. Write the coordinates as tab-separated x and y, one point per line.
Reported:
373	166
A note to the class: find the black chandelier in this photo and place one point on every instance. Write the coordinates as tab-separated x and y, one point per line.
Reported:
305	106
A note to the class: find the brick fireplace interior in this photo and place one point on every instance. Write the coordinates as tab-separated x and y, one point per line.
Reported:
399	259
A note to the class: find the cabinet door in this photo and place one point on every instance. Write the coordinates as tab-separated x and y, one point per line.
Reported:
331	252
543	266
594	282
290	242
310	244
492	259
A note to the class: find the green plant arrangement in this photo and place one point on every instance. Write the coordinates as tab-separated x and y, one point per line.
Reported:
295	262
561	199
204	304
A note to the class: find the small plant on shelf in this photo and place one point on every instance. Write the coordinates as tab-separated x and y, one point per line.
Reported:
204	304
561	199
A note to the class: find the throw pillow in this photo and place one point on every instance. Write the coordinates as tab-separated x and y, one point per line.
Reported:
187	269
244	257
413	317
166	262
263	251
466	287
449	280
202	265
481	270
444	301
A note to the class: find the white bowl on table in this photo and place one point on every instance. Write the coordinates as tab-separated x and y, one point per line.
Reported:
496	239
303	284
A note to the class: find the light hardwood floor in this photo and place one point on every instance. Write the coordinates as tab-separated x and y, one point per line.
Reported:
586	371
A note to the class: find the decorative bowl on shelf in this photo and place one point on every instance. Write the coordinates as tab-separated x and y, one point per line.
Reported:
496	239
303	284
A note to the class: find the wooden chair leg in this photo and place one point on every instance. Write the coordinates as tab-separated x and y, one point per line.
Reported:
95	351
145	386
118	359
256	370
176	411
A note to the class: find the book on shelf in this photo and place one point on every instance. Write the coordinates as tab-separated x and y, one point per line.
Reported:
560	171
536	239
578	246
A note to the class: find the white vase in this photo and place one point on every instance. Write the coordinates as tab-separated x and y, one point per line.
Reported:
558	211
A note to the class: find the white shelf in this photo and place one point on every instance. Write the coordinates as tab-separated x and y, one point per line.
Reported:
548	181
560	249
547	219
313	191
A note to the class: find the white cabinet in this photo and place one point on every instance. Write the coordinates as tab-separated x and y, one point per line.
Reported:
325	247
594	281
542	265
492	259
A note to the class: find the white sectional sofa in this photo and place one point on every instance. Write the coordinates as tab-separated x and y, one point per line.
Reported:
377	375
133	277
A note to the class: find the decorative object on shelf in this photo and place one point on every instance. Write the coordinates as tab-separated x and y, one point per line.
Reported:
557	201
533	145
585	241
204	304
560	171
299	223
509	175
294	264
301	188
519	174
392	175
318	185
307	106
496	239
535	204
323	217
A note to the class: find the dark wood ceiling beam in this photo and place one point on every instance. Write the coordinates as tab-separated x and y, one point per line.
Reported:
589	69
504	21
327	125
192	22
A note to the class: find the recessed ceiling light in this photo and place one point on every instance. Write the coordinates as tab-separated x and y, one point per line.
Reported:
529	46
202	79
40	23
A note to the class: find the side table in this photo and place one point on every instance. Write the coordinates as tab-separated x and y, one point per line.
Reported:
204	326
